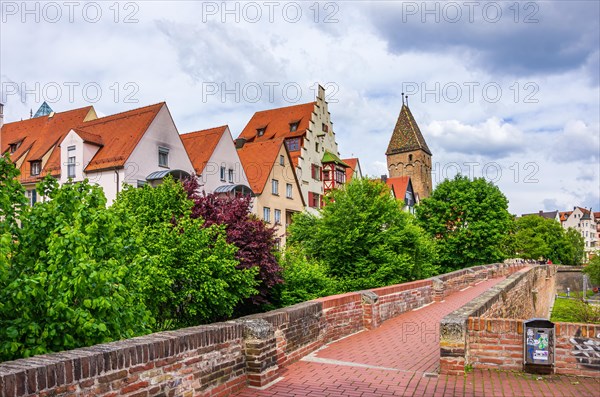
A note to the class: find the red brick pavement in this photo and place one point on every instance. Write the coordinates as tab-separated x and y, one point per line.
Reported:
400	358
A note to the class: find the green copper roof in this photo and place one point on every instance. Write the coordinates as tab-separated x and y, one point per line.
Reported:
329	157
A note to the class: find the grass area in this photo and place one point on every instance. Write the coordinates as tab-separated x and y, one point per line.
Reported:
574	311
577	294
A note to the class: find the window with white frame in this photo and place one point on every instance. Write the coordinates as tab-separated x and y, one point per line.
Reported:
288	190
36	168
230	174
281	160
71	162
277	217
222	173
267	214
275	187
163	156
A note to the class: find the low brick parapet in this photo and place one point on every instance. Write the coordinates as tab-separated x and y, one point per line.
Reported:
217	359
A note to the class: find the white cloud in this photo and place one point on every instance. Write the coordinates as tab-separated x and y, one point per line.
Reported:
492	137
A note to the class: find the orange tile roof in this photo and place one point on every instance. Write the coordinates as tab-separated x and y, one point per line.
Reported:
120	134
89	138
399	185
565	215
258	159
200	145
39	137
277	122
353	162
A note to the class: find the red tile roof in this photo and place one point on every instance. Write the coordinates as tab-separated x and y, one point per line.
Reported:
89	138
39	136
353	162
399	185
258	159
200	145
277	122
120	134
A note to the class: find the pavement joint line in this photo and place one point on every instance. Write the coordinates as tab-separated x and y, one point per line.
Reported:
267	385
425	305
466	288
313	359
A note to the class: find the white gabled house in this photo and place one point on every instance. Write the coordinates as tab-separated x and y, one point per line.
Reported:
216	161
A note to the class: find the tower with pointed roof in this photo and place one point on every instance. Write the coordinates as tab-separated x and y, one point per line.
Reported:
408	153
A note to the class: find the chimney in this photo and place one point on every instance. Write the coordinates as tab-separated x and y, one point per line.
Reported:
384	178
240	142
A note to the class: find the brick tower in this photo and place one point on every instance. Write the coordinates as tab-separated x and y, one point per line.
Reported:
408	154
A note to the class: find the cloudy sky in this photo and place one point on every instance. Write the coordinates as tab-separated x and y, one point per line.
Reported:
505	90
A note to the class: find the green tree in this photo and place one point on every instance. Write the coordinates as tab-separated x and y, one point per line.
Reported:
69	284
572	249
593	270
364	239
187	274
541	238
469	220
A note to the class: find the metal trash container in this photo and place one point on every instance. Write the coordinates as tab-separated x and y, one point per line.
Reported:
538	346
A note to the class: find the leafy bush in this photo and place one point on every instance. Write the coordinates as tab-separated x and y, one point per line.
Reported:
66	279
187	273
575	311
304	279
252	237
593	270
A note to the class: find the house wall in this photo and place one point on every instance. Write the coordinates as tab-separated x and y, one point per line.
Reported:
84	152
144	158
225	155
309	154
587	228
284	175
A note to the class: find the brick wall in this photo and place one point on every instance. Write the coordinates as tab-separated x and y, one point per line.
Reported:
487	332
217	359
495	343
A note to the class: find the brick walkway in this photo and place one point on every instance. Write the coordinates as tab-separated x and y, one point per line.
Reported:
401	358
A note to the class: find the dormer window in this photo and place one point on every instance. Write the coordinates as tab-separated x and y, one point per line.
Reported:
36	168
71	162
260	131
293	126
14	146
163	156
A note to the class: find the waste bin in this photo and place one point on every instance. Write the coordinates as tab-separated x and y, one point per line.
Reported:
538	346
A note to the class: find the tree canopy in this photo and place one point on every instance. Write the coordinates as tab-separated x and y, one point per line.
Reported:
540	238
469	220
363	238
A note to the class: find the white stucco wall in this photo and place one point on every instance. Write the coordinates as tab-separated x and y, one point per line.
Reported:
224	155
162	132
309	154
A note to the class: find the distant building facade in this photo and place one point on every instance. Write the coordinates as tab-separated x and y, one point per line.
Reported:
583	220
